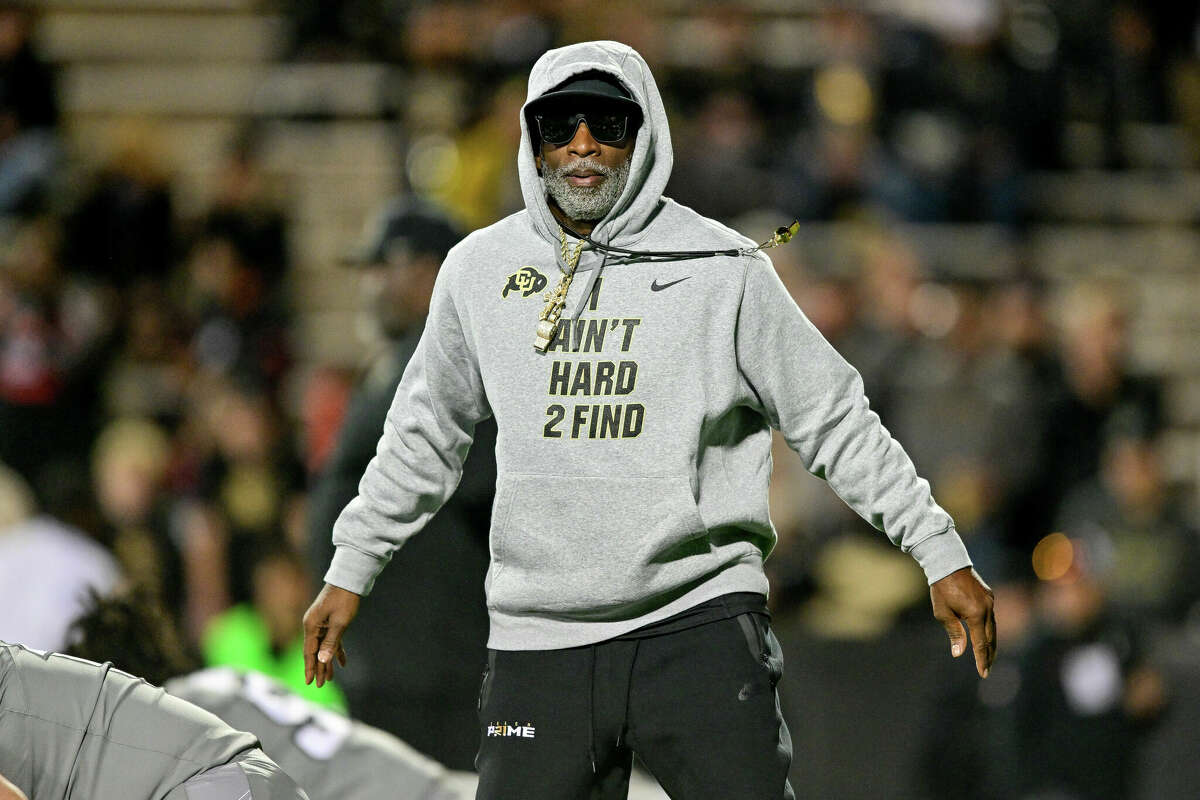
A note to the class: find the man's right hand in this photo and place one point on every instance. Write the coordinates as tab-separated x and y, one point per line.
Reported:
324	623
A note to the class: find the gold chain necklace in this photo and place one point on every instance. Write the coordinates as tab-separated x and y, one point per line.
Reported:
557	298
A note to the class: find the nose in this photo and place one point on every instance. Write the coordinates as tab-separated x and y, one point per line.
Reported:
582	144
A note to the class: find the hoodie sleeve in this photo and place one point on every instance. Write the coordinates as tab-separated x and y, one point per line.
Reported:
815	398
419	458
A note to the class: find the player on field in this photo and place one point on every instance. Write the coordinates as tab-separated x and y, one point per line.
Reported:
10	792
71	728
134	633
636	357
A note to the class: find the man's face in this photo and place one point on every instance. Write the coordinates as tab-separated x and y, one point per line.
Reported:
585	177
398	290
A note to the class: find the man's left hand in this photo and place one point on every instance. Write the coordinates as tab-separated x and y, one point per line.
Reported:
960	597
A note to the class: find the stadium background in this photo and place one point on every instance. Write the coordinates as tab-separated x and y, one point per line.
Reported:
999	204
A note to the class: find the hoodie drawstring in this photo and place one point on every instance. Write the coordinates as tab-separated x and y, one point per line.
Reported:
590	287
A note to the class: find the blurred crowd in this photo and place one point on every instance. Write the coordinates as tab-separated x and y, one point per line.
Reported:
927	111
158	426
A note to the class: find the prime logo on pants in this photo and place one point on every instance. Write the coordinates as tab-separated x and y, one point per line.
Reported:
526	731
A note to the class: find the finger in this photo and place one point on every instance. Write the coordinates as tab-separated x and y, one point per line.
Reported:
341	655
324	668
318	666
990	630
312	641
322	671
322	632
980	644
958	636
330	644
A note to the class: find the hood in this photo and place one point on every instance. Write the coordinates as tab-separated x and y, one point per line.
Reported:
651	165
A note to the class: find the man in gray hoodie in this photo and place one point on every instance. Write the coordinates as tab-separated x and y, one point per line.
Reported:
634	402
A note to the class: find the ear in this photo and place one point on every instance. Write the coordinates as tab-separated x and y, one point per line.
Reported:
537	161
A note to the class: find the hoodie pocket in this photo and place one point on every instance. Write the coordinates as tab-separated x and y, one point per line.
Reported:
593	548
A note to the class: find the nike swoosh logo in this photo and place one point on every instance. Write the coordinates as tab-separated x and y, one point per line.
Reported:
655	286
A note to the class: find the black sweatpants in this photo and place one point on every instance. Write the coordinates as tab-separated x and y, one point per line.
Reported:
698	705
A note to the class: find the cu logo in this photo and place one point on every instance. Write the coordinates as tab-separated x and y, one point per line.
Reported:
526	280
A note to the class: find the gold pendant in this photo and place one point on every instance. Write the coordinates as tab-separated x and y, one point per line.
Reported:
556	299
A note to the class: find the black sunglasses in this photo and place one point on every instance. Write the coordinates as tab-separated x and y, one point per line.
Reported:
606	127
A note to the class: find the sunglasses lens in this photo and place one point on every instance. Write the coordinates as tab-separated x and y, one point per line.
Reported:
557	128
608	127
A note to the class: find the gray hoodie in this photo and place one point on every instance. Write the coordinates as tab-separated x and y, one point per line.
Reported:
634	455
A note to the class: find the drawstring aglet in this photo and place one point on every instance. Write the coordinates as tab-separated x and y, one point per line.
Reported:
784	235
781	236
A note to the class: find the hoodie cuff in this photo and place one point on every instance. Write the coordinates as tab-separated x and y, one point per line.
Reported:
941	554
353	570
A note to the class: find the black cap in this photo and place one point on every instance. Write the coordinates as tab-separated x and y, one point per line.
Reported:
594	85
589	85
417	227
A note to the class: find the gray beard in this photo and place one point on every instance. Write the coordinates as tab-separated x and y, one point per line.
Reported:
586	203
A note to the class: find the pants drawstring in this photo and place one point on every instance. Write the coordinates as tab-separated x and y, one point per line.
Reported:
592	709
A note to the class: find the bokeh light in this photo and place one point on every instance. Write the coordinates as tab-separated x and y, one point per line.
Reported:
1053	556
844	95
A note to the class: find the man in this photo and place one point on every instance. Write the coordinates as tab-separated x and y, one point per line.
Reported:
75	728
134	632
420	681
626	589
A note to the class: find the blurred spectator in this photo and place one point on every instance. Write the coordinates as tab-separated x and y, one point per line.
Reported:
129	469
418	655
1087	693
481	183
1066	704
943	408
246	214
29	149
46	569
884	339
1099	386
333	30
725	146
54	338
240	328
1023	376
1114	71
970	744
263	634
1146	550
249	479
949	106
149	372
326	398
832	172
122	231
204	537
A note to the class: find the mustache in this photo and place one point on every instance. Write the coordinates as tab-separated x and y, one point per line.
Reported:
583	165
